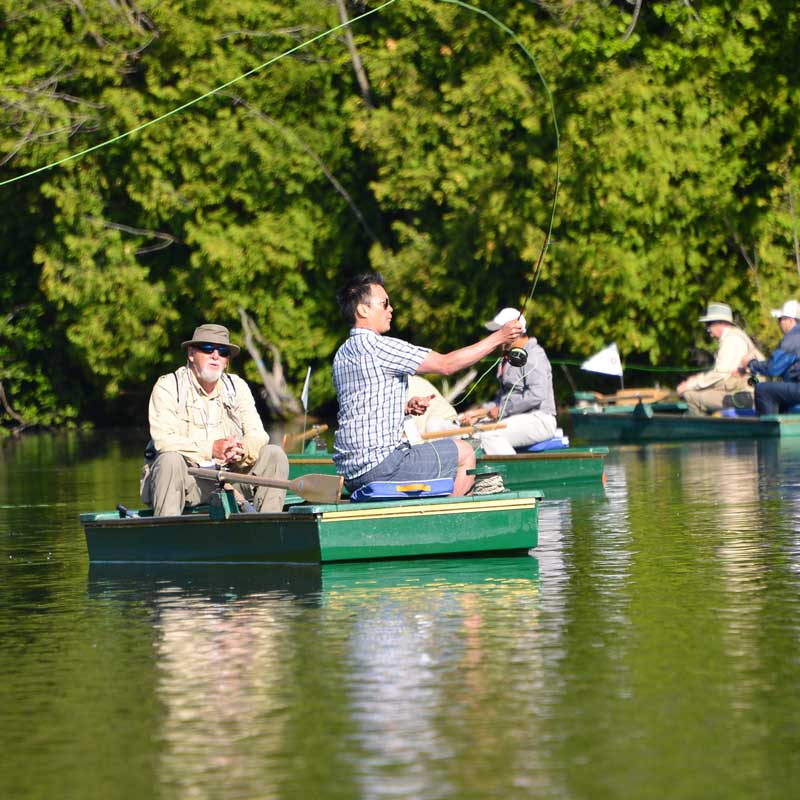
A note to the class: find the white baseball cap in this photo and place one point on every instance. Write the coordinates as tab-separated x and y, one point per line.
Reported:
790	309
506	315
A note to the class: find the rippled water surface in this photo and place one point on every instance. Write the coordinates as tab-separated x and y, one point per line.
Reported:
651	648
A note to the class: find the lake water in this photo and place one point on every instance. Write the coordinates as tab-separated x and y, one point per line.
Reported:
650	648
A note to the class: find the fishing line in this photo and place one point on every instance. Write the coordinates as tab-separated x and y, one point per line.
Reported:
196	100
546	243
474	386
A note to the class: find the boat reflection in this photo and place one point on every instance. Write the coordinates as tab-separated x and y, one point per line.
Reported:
225	583
254	667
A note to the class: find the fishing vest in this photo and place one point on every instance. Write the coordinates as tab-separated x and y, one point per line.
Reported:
187	397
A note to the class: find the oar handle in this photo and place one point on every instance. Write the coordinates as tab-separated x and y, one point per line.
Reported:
222	475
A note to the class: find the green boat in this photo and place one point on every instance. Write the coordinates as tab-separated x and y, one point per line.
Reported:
551	471
312	533
658	422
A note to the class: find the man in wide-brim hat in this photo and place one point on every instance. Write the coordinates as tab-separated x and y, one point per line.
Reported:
710	391
200	415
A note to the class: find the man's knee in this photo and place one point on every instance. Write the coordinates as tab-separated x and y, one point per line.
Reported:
169	464
466	455
272	461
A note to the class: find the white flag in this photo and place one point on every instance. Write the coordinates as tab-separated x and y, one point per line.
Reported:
304	393
606	361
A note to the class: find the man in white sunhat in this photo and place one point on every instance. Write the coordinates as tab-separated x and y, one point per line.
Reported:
706	392
524	401
439	415
776	396
202	416
370	375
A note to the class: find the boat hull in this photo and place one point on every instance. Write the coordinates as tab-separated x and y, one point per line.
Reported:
620	427
579	466
314	534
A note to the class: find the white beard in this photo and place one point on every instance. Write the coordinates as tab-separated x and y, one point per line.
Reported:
209	374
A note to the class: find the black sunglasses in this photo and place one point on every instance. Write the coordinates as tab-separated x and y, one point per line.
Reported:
208	349
384	303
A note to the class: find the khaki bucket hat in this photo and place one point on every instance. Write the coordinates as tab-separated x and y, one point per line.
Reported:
718	312
211	334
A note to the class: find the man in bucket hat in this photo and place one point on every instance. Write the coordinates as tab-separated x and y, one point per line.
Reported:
776	396
709	391
202	416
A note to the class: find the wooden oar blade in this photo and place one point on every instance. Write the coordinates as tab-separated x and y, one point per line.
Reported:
318	488
315	487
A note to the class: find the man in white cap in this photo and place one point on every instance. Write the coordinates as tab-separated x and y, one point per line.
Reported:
525	401
202	416
706	392
776	396
370	375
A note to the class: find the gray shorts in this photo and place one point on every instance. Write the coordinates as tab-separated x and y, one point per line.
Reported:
421	462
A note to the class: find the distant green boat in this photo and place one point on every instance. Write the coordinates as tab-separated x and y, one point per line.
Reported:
656	422
551	471
315	534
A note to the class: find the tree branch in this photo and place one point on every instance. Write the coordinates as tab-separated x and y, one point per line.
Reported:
358	67
291	135
634	20
276	393
167	238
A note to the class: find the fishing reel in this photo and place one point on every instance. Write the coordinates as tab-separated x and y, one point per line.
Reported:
752	380
517	356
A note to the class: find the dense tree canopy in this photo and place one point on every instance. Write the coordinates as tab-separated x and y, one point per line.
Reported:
425	147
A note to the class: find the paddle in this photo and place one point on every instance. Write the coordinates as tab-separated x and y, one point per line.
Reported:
314	488
291	439
489	426
633	396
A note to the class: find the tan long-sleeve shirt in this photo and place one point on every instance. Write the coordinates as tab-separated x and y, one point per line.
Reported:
187	420
734	345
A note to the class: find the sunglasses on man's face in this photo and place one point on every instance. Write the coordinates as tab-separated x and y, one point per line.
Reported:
208	349
384	303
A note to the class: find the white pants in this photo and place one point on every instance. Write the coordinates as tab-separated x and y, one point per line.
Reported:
522	430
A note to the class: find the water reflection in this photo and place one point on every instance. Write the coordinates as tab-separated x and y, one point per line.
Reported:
406	642
654	640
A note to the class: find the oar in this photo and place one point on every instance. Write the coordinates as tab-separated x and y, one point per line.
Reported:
291	439
314	487
488	426
631	396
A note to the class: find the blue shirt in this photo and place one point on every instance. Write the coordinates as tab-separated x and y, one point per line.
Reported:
370	375
785	359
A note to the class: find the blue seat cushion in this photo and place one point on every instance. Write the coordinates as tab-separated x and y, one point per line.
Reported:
738	412
556	443
402	490
793	409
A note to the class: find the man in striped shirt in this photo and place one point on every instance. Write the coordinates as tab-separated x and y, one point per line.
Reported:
370	374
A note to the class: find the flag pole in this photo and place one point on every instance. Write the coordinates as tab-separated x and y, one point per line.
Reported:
304	401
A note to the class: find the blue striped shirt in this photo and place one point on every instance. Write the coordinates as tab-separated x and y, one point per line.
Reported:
370	375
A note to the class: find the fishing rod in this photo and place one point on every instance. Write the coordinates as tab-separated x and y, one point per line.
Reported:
518	356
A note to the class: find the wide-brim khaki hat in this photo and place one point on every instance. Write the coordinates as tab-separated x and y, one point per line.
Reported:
718	312
212	334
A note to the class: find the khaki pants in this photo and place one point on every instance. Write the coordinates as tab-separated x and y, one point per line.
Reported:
706	401
168	487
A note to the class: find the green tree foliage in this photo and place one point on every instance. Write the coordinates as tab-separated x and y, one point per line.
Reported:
679	179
